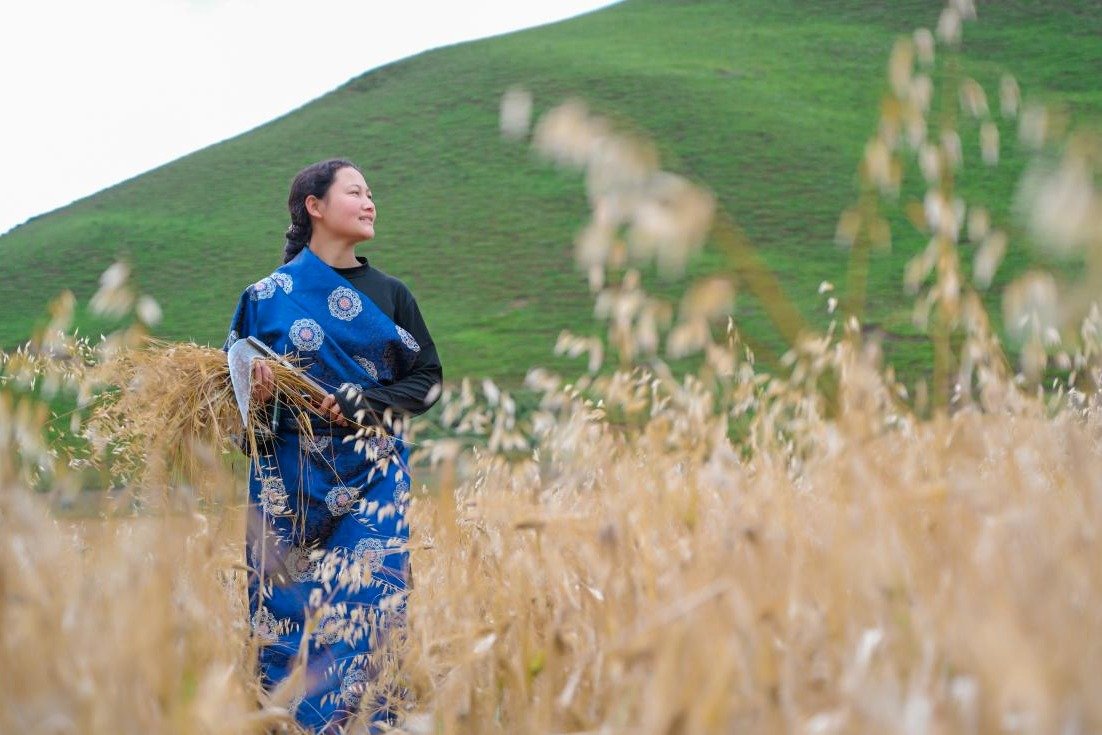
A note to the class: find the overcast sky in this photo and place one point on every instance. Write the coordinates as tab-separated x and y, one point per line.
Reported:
93	92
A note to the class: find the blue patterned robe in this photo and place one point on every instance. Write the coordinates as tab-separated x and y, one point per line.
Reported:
328	532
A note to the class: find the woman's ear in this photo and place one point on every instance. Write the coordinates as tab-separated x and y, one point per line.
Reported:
313	206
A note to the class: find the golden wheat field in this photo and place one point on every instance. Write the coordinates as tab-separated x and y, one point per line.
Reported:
814	549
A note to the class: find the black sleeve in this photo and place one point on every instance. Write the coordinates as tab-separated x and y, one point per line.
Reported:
410	394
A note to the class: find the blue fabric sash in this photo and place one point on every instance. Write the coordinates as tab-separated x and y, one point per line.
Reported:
322	508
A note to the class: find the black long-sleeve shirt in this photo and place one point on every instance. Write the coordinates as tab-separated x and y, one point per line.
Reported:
410	392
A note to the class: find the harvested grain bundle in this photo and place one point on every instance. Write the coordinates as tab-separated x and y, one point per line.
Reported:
169	411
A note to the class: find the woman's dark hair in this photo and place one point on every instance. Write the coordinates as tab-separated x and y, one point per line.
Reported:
314	179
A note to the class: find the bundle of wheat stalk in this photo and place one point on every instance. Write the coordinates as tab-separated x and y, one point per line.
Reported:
169	411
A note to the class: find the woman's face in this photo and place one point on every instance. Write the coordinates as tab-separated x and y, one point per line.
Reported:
347	210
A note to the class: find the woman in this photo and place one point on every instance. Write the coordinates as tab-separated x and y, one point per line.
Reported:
326	544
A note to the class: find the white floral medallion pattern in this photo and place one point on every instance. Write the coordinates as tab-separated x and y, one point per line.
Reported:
369	551
379	446
306	334
284	281
352	687
263	289
317	444
330	629
368	366
344	303
407	339
299	564
341	499
401	495
264	624
273	496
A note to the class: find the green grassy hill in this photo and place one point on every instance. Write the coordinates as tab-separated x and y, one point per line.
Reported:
768	102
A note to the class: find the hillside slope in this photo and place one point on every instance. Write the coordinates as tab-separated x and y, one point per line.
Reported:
768	102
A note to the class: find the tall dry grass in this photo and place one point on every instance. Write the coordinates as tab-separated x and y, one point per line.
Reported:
821	549
867	573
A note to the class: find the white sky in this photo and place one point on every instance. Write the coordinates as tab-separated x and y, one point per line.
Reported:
93	92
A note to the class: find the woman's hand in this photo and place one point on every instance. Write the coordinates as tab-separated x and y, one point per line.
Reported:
263	381
332	410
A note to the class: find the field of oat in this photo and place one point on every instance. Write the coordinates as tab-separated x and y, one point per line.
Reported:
816	548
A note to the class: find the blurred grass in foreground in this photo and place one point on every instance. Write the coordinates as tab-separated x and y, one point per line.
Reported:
863	558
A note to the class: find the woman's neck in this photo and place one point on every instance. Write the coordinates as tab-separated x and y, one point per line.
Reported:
334	253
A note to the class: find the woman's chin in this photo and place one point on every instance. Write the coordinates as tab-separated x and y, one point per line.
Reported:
361	236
